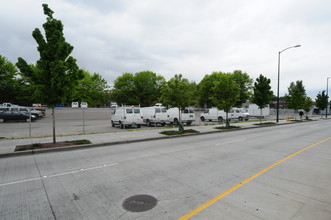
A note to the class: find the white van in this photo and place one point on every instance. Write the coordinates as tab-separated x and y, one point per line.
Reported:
127	117
74	105
154	115
213	114
239	113
187	115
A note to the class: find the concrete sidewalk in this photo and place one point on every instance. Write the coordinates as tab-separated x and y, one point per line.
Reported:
7	147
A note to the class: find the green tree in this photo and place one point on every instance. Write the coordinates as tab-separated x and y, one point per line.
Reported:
125	91
92	89
262	93
308	104
177	92
244	83
205	89
148	87
8	80
56	73
225	93
321	101
296	96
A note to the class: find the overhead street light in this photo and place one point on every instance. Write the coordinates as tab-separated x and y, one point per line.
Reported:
327	89
278	77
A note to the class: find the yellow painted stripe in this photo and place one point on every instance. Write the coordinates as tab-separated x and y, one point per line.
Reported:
220	196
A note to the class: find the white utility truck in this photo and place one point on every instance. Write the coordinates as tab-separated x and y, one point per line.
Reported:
187	115
214	114
127	117
154	115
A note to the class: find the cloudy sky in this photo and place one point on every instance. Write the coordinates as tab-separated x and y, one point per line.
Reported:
191	37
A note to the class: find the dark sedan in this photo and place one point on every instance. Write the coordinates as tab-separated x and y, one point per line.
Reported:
8	115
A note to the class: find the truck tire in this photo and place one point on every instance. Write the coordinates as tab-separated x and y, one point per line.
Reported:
148	123
176	122
202	118
220	119
240	118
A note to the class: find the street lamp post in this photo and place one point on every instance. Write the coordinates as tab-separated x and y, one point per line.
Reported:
278	77
327	90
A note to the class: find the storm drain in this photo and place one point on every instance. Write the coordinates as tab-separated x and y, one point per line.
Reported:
139	203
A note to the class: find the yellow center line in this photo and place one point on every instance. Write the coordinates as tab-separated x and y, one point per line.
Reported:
220	196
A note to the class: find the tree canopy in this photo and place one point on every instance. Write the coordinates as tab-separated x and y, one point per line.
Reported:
321	100
56	72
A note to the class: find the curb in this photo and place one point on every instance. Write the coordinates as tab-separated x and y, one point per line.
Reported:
86	146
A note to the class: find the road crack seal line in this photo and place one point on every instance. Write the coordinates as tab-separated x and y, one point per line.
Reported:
227	192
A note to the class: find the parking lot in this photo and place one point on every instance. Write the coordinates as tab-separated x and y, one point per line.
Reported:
68	122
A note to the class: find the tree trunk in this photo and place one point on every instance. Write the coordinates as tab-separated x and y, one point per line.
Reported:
53	119
180	126
260	115
227	123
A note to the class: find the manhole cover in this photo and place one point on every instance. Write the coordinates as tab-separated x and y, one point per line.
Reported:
139	203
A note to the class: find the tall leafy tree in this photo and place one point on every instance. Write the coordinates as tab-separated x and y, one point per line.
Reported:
296	96
177	92
321	101
125	91
148	87
225	93
92	89
56	72
205	89
244	83
262	93
308	104
8	80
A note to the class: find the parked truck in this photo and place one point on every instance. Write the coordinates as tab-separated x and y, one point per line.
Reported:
254	111
154	115
186	115
127	117
214	114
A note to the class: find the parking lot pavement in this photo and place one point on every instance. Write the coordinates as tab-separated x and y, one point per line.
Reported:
7	147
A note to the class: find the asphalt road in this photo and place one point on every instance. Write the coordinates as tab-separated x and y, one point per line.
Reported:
182	174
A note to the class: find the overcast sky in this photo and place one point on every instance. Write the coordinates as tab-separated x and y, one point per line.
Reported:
191	37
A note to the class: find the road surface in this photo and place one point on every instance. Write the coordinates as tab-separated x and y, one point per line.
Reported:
281	172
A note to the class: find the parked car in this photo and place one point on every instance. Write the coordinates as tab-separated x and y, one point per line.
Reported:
8	115
127	117
25	110
187	115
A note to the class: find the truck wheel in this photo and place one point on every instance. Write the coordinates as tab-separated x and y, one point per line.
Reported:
202	118
220	119
240	118
176	122
148	123
163	124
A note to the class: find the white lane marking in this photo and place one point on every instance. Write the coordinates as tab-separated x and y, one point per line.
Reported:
286	131
58	174
230	142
